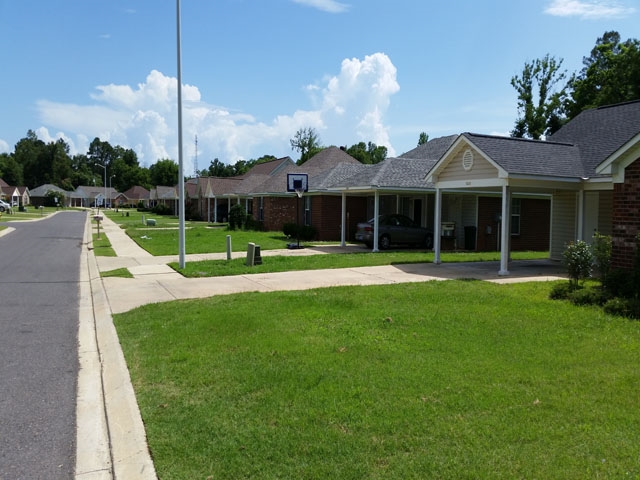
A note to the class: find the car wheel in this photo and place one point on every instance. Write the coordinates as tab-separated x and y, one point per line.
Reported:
1	208
385	242
428	241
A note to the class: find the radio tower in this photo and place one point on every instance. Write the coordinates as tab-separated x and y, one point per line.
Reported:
195	162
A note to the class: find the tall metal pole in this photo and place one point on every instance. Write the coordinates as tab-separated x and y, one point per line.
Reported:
181	245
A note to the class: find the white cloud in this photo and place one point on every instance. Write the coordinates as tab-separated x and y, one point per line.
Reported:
588	9
4	146
348	107
330	6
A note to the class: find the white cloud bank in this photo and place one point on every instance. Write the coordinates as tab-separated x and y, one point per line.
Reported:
588	9
348	107
330	6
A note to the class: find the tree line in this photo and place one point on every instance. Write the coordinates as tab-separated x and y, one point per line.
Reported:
548	97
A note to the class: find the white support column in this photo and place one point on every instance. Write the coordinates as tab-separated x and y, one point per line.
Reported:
438	225
208	209
343	221
580	220
505	233
376	214
215	210
397	203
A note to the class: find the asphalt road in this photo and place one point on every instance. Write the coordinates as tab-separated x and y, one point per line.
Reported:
39	295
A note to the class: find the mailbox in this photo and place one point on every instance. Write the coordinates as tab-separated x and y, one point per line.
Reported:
448	229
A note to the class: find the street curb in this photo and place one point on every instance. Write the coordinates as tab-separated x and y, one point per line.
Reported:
129	454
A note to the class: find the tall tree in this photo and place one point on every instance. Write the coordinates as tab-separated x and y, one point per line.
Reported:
164	172
424	138
611	74
10	170
27	152
307	142
540	98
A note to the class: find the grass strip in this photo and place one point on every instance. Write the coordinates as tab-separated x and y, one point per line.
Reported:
272	264
118	272
102	246
452	379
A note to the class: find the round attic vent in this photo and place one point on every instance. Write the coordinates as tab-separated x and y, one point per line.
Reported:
467	160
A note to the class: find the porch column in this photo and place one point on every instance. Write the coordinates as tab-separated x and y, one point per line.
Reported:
436	234
208	209
215	210
505	233
343	221
397	203
580	226
376	214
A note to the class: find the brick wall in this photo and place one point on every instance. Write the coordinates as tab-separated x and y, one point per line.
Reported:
626	217
535	217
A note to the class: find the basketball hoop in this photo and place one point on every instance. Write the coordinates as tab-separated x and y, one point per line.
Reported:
299	183
299	192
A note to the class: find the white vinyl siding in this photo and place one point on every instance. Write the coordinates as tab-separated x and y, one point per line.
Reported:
563	222
455	171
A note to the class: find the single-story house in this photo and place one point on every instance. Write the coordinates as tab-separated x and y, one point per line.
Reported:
136	195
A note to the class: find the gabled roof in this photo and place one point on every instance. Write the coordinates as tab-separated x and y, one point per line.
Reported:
137	193
42	190
600	132
432	150
3	183
520	156
269	168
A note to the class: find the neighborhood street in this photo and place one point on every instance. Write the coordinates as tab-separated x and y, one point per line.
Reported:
39	292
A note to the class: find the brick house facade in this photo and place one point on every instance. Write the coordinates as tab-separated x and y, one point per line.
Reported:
626	217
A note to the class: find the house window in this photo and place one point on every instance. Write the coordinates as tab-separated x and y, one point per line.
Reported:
307	210
261	212
515	216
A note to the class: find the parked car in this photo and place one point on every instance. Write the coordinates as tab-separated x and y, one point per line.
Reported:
394	229
4	206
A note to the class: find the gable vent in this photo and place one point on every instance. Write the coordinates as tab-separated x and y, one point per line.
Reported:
467	160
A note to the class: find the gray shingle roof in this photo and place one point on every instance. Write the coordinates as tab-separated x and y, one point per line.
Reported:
530	157
599	132
432	150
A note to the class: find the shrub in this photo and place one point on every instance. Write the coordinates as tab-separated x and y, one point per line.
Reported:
624	307
561	291
579	261
619	283
306	232
162	209
237	217
587	296
601	249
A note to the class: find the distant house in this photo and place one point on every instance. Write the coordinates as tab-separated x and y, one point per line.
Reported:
40	196
164	195
589	168
16	196
136	195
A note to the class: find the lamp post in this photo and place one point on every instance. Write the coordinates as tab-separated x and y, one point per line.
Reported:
110	190
105	182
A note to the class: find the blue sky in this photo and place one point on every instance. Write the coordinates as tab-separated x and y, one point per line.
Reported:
256	71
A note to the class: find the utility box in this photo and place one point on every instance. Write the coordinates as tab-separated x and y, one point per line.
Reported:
151	222
448	229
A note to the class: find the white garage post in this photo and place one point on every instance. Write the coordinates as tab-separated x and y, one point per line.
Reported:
343	227
505	234
436	234
376	214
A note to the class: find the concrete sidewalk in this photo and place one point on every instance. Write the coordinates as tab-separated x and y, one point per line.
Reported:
111	438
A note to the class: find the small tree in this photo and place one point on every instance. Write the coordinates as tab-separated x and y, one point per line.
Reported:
602	255
579	261
237	217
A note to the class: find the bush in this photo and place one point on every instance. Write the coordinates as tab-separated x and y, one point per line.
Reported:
602	254
579	261
306	232
623	307
562	291
619	283
237	217
587	296
162	209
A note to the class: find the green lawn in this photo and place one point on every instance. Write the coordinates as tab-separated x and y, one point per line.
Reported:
215	268
32	213
102	246
454	379
200	237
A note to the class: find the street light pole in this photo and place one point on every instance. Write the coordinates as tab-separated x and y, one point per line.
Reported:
181	233
110	189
